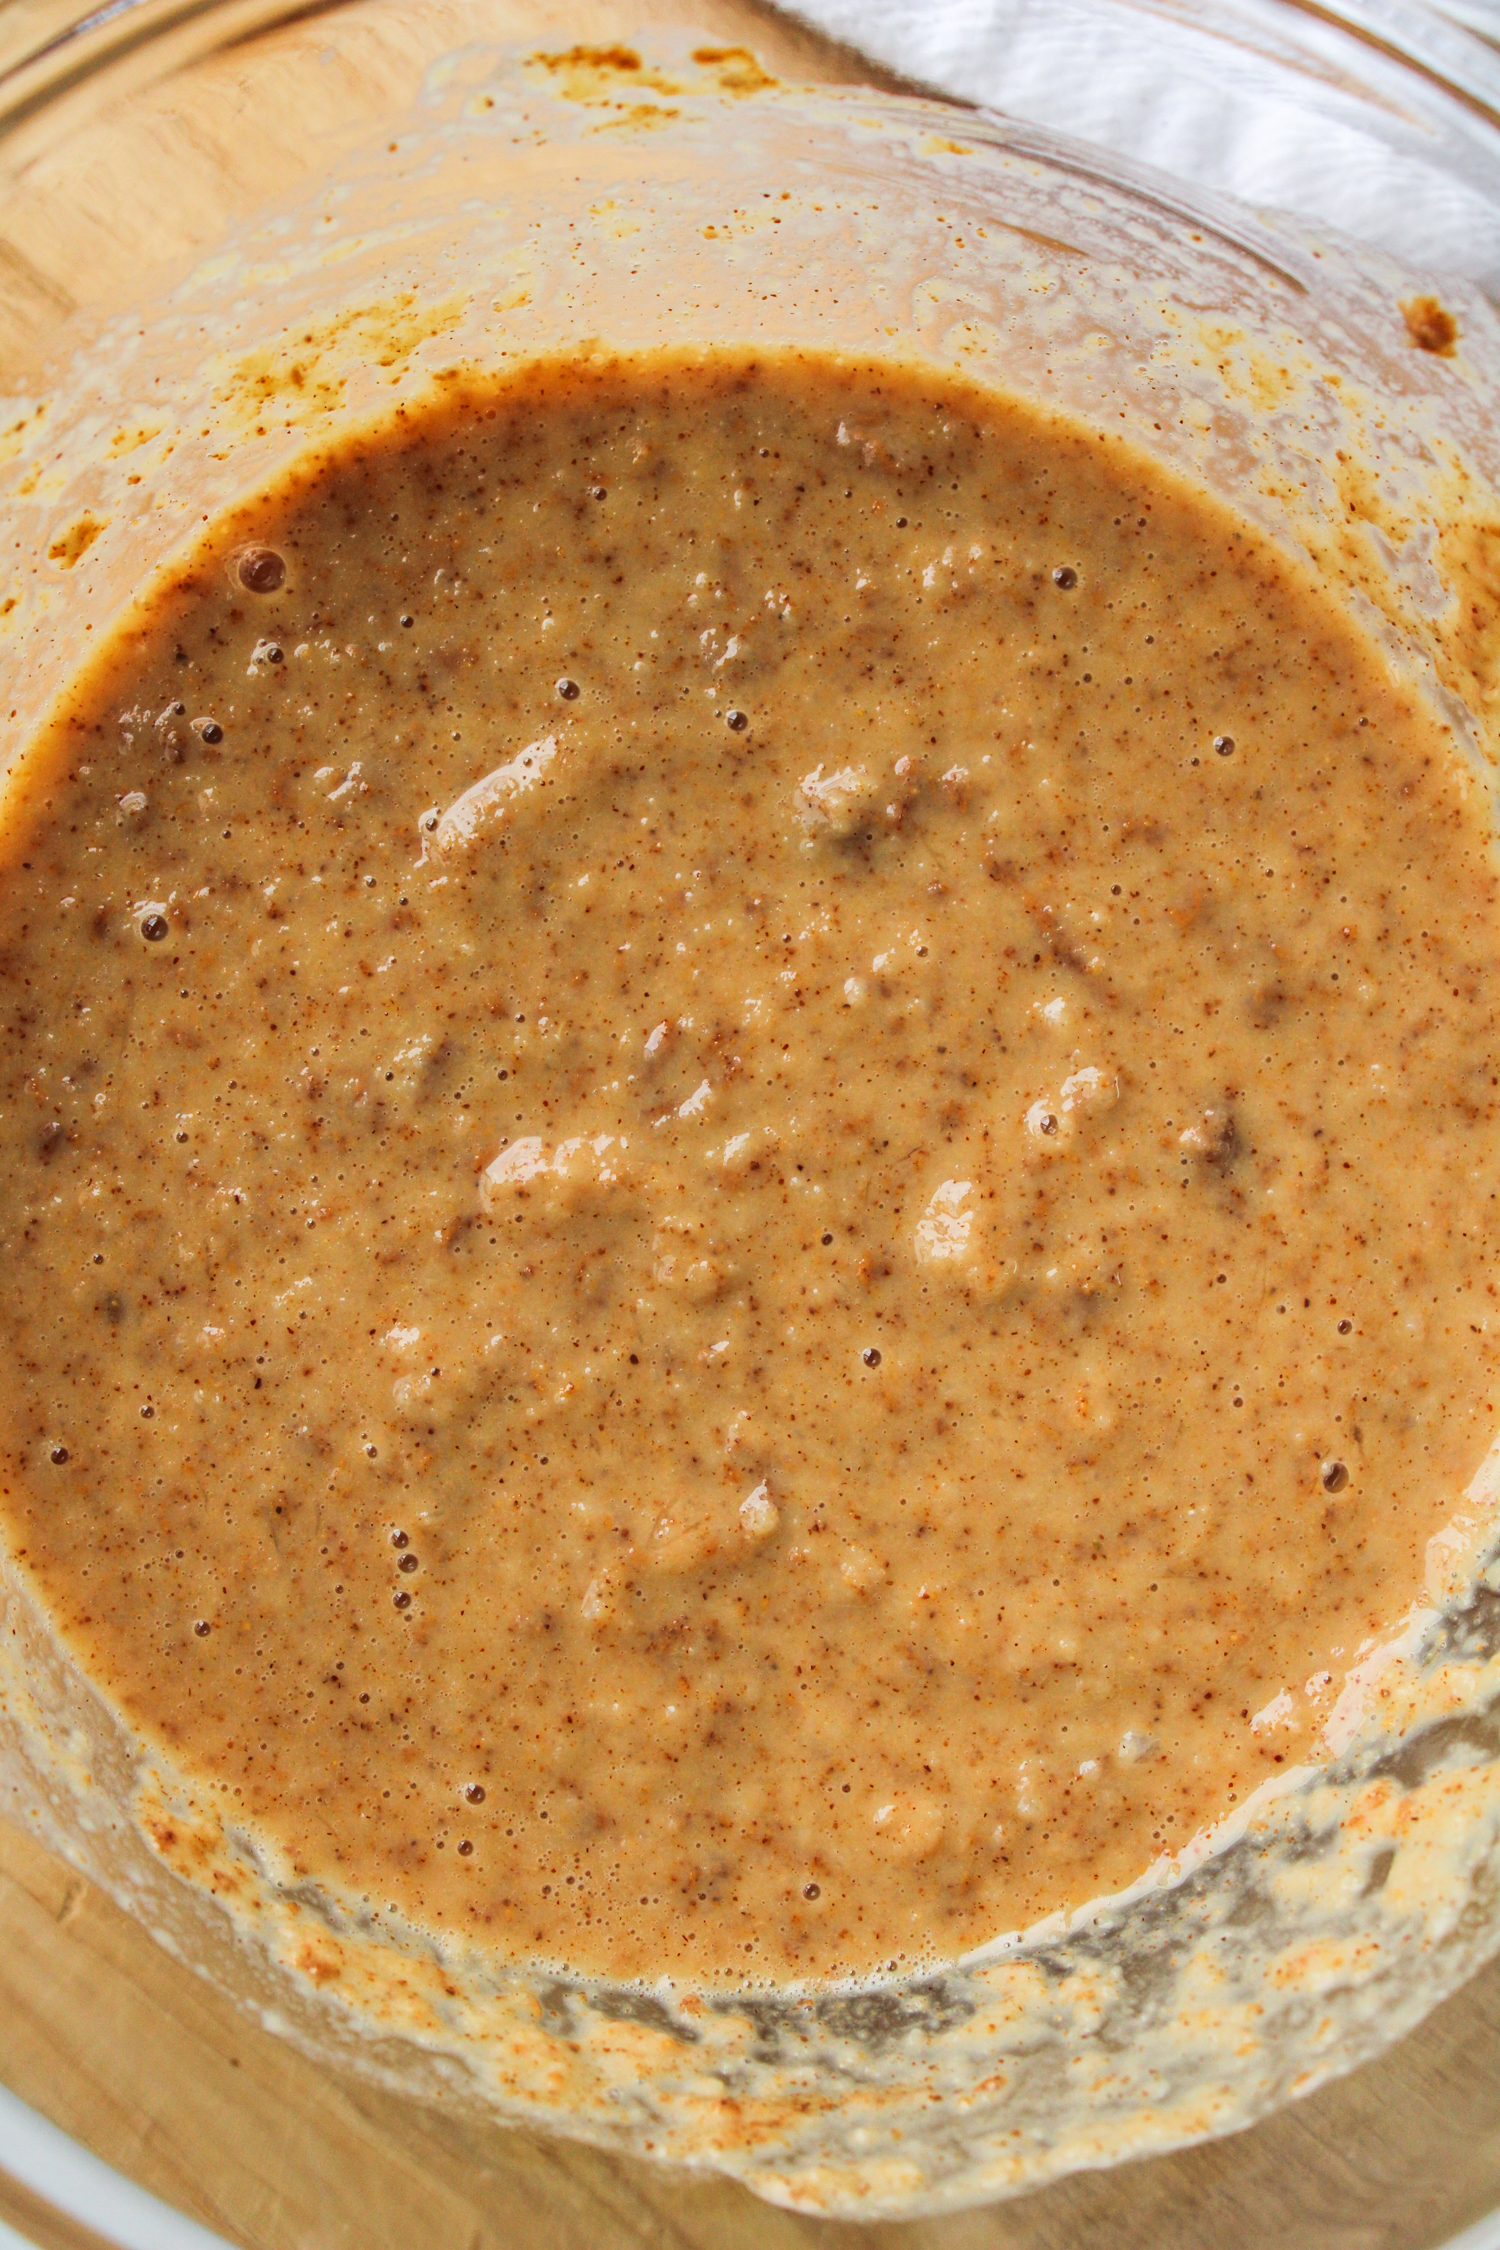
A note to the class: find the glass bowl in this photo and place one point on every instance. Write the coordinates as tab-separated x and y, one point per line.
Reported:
232	240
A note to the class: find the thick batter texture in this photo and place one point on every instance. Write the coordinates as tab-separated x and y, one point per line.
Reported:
749	1150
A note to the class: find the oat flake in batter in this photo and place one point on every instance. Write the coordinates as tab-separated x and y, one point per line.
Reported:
749	1142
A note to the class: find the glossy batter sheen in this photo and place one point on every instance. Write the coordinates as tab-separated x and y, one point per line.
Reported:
750	1161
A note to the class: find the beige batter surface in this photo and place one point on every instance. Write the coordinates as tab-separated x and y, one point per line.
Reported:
748	1132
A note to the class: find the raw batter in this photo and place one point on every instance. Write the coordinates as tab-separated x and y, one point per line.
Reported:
748	1118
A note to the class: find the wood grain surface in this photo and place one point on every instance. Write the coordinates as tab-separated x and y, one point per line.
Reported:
151	2069
103	2033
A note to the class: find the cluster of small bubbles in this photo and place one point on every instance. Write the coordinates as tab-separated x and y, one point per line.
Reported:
154	928
568	690
261	570
474	1791
201	1628
1335	1476
209	729
59	1455
1224	744
1065	576
736	721
870	1355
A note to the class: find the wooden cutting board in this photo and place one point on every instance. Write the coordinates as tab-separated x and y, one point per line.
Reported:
103	2033
126	2050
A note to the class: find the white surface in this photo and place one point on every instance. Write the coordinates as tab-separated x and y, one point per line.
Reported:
1247	98
42	2157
